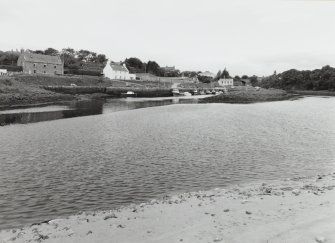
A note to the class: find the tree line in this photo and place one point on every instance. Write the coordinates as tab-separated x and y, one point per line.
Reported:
318	79
135	65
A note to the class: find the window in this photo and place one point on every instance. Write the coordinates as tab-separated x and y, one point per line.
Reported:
44	72
34	71
45	65
55	66
55	72
34	64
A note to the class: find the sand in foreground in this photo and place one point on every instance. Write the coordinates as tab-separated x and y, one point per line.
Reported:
296	210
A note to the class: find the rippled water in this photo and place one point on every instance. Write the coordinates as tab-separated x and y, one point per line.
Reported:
59	167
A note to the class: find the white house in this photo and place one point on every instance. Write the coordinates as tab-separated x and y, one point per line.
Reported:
226	82
3	72
115	70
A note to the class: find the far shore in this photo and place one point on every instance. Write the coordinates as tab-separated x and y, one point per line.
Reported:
249	94
313	92
300	209
30	90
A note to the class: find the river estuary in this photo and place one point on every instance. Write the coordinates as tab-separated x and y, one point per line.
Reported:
109	153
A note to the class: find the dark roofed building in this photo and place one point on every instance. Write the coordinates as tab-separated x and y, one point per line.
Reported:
33	63
169	69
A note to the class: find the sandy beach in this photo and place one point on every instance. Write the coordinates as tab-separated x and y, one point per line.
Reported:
295	210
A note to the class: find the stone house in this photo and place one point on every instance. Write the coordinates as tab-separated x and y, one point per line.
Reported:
33	63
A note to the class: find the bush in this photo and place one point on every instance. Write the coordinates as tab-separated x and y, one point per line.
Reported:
7	82
82	72
205	79
11	68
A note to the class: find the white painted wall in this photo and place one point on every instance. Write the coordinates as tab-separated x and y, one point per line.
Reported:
226	82
3	72
110	73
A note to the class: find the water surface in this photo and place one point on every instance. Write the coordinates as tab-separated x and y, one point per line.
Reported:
120	156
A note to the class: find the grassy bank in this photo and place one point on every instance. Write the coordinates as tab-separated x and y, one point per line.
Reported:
26	90
16	93
248	94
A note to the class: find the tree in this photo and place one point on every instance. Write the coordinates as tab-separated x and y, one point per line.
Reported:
101	58
225	74
8	57
237	77
245	76
218	75
135	65
69	58
205	79
86	56
254	80
153	68
37	52
190	74
51	51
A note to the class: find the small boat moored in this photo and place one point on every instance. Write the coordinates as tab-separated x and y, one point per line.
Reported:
175	92
185	94
194	92
128	94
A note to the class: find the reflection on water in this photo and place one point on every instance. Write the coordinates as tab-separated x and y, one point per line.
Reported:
57	168
83	108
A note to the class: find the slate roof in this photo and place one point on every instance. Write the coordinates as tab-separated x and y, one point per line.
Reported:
116	66
40	58
169	69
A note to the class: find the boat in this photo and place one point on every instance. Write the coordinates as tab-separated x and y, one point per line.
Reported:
194	92
128	94
202	92
175	92
185	93
208	92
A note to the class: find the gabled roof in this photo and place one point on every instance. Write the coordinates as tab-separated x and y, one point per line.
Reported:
116	66
40	58
170	69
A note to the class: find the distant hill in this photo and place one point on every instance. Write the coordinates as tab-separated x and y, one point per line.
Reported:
318	79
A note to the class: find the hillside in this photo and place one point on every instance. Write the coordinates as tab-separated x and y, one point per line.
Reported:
16	93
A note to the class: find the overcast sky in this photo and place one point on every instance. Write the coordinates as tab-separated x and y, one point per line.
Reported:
246	36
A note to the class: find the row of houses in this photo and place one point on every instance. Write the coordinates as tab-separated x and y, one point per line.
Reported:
33	63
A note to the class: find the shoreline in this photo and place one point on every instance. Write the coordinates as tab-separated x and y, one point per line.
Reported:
294	210
249	95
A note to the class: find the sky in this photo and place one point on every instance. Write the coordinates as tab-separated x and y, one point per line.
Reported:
245	36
